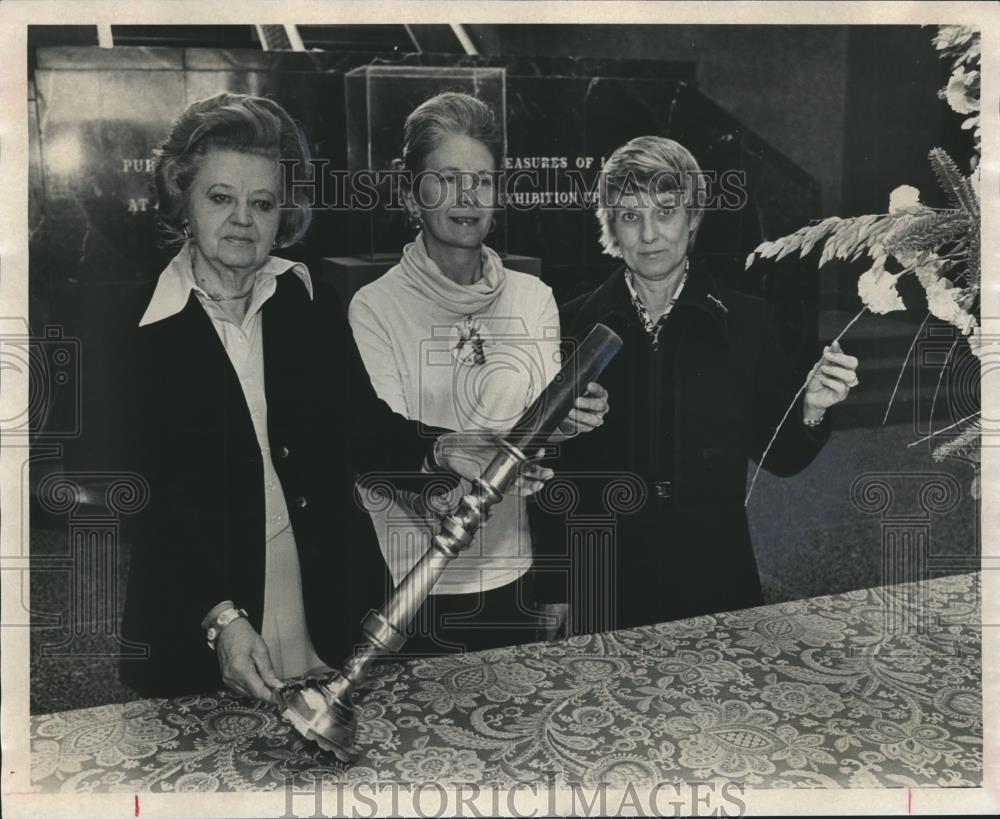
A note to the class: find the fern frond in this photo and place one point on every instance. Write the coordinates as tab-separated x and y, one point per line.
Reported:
914	230
805	237
855	236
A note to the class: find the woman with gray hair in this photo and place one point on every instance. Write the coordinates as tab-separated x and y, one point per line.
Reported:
233	387
700	387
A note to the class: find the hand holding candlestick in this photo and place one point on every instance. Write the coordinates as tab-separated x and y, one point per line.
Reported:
323	710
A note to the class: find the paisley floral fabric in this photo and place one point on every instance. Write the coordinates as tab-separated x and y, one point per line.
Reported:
872	688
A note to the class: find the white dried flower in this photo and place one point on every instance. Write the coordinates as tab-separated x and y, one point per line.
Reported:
952	36
945	301
877	289
961	96
981	347
927	273
905	196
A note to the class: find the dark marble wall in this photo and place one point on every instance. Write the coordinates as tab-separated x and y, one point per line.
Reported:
854	106
894	116
99	113
378	99
576	111
786	83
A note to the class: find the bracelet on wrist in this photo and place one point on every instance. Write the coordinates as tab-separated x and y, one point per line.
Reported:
219	623
814	422
435	462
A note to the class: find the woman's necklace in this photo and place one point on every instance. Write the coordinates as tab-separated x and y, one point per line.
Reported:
227	298
205	287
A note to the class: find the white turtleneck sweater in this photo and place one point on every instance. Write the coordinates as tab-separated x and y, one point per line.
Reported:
465	358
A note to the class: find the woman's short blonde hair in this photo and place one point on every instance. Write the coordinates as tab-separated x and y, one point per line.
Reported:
651	164
230	122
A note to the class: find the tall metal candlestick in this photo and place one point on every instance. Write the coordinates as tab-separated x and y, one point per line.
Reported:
323	710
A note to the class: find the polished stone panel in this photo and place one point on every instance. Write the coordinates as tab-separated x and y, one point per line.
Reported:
378	100
99	113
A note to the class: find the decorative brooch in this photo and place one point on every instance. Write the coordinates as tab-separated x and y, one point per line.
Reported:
470	348
719	303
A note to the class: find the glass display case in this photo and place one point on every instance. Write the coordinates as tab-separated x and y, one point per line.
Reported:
379	98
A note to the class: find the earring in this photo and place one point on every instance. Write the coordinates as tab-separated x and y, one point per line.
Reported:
414	221
186	228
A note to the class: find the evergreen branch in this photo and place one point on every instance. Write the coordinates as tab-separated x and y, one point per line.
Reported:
954	183
962	445
927	232
973	261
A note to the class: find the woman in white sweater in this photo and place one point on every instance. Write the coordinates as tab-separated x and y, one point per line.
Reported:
453	339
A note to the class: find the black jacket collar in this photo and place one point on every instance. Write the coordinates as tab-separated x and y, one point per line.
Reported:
611	303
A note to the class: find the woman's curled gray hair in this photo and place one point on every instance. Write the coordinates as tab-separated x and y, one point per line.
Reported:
652	164
230	122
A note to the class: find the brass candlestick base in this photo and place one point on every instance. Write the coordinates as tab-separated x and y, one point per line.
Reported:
323	711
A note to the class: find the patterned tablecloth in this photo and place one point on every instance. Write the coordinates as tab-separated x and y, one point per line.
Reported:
872	688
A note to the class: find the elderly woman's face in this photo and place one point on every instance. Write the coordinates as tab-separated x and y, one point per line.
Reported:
232	207
652	235
456	199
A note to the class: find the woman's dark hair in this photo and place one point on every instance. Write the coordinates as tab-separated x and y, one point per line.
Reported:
451	113
229	122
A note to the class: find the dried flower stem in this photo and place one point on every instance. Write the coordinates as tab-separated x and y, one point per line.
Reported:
937	388
902	369
950	426
791	406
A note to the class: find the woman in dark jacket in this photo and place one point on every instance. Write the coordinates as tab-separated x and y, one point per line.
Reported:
699	389
233	388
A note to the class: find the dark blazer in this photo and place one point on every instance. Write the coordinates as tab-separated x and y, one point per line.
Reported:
165	402
684	421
